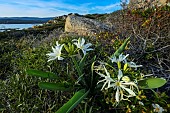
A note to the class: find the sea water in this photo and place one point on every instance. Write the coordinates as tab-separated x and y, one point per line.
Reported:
15	26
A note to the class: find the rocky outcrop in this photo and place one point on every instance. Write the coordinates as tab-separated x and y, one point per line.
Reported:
146	3
85	26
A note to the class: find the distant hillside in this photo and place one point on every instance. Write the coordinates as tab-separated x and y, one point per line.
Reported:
23	20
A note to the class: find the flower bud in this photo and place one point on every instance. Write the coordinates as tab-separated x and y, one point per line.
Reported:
119	64
126	79
125	66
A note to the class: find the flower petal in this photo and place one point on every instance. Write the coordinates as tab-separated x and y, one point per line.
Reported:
113	59
57	43
120	74
129	91
101	81
117	95
51	58
102	75
87	45
82	41
104	85
107	73
60	58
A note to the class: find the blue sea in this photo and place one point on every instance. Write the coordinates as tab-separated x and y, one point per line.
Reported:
15	26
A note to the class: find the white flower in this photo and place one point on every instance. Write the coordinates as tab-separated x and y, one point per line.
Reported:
107	79
123	58
122	86
56	52
120	59
133	65
80	43
157	108
141	103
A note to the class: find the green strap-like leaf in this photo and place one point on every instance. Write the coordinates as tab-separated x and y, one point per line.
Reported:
151	83
73	102
55	86
82	62
92	70
77	66
121	48
41	74
66	48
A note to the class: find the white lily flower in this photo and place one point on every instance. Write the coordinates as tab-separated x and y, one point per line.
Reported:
80	43
121	86
56	54
107	79
133	65
157	109
123	58
120	59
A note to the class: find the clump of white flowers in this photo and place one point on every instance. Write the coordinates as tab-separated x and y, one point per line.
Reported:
124	87
80	44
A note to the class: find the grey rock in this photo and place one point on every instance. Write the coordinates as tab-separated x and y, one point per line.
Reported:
85	26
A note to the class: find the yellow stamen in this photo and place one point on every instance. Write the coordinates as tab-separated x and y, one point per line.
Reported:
118	83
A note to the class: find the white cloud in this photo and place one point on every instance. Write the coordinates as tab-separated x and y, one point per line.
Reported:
51	8
13	11
108	7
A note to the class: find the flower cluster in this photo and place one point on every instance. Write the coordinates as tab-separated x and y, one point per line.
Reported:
123	86
118	83
80	43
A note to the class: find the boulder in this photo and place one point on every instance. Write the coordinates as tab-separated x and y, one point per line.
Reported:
85	26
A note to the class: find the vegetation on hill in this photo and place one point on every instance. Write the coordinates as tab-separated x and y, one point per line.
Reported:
21	50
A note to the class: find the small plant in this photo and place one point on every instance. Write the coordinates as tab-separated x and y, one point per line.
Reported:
119	83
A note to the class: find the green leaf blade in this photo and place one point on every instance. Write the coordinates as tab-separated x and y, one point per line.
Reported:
77	66
42	74
55	86
73	102
121	48
66	48
82	62
151	83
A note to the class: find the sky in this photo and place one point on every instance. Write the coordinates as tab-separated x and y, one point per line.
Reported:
52	8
